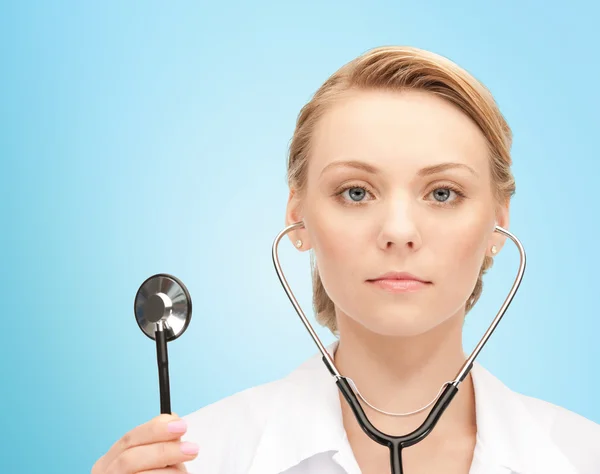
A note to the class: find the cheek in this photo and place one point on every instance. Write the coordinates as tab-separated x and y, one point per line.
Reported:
338	243
459	254
335	240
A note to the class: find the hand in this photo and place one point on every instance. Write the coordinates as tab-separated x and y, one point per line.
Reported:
154	447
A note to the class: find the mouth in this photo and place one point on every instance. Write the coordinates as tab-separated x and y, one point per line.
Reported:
399	282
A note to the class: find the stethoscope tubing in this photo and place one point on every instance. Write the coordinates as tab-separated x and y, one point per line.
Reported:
162	358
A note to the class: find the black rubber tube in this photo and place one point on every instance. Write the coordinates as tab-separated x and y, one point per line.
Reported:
163	372
397	443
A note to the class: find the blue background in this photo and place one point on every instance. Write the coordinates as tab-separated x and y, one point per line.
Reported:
147	137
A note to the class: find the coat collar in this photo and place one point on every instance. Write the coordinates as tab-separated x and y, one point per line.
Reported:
509	438
508	435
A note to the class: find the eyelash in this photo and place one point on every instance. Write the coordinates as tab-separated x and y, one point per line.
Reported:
450	187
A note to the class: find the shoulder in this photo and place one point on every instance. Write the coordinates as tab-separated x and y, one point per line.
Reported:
531	434
235	423
576	436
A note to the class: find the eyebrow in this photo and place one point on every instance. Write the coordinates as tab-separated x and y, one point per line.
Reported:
428	170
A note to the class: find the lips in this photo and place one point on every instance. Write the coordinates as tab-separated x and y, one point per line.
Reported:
399	282
399	276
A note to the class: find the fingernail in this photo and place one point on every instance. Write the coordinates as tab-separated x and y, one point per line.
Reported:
178	426
188	448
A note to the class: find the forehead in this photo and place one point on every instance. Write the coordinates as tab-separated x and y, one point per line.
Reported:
405	130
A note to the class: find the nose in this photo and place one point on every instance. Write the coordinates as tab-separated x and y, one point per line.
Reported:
398	228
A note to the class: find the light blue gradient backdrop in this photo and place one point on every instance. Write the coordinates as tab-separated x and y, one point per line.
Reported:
145	137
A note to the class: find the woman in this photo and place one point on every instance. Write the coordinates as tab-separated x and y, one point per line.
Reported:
399	168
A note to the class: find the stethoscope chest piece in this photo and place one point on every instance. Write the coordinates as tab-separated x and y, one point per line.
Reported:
163	309
163	298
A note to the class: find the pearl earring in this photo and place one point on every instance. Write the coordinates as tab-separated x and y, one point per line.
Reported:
494	250
298	243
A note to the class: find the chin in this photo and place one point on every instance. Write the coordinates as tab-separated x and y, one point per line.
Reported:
398	322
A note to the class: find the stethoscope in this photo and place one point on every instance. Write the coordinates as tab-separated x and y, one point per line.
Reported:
163	310
397	443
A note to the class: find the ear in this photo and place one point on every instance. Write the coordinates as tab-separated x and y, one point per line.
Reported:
502	220
293	214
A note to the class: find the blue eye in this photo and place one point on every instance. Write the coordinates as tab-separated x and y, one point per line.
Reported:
442	193
356	193
443	196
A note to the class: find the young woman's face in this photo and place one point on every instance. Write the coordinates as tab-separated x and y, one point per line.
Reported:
398	182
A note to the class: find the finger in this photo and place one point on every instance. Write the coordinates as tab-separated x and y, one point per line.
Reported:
157	429
169	470
179	469
166	470
153	456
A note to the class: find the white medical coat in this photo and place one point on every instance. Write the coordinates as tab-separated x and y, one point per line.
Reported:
294	426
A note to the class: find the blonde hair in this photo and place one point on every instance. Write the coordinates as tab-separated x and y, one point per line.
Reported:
401	68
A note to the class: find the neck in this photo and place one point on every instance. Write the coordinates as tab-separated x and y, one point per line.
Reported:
403	374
